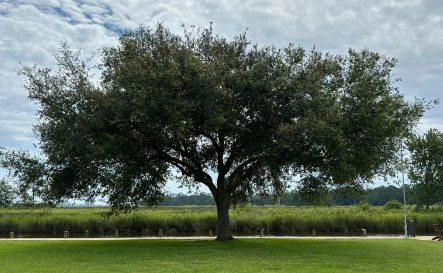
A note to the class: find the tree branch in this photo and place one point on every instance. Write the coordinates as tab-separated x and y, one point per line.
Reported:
247	174
197	173
219	148
240	170
208	136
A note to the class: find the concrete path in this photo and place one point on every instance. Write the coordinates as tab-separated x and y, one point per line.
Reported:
421	238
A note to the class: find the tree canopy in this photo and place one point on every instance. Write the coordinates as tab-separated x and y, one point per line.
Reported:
198	106
426	167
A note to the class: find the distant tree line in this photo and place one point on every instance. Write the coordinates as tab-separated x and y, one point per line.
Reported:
181	199
376	197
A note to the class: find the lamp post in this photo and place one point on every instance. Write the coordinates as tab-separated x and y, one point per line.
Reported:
404	194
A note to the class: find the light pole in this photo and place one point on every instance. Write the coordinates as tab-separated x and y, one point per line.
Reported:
404	194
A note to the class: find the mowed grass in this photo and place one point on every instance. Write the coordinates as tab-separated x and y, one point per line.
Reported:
244	255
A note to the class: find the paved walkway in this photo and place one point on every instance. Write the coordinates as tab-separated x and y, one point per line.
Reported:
421	238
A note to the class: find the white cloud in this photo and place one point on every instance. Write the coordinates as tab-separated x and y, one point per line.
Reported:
91	9
31	34
46	3
426	124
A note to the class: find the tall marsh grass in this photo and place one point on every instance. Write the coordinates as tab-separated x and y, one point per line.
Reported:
202	219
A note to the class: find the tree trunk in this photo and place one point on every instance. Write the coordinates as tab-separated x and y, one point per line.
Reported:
223	227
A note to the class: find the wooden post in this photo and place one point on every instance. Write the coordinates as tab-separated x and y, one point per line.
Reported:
313	233
261	232
66	235
160	233
11	235
210	233
116	233
364	233
293	232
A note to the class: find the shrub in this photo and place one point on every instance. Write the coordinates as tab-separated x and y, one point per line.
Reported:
393	204
437	208
362	206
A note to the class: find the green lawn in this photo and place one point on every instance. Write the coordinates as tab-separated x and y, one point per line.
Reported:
245	255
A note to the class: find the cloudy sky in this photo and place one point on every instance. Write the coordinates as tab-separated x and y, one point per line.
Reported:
409	30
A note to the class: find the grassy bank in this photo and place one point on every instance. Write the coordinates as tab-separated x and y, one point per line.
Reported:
202	219
246	255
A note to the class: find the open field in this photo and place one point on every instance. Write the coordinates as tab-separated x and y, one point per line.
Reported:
201	219
245	255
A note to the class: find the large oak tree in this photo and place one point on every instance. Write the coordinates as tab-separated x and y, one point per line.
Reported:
202	106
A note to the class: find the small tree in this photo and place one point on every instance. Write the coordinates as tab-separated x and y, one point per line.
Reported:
7	194
202	105
27	172
426	167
